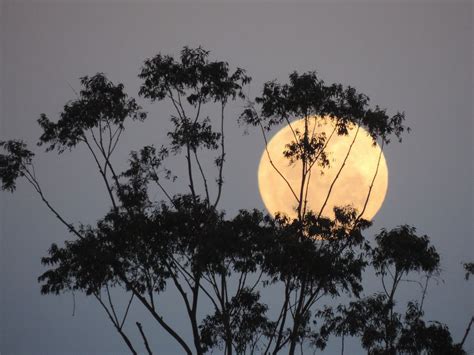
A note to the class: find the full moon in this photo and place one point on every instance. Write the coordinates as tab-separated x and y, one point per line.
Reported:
362	179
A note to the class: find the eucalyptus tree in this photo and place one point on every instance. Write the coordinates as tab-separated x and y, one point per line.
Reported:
337	258
184	243
399	254
141	245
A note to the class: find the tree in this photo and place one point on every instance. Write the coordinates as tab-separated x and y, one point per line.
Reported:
398	253
184	242
308	97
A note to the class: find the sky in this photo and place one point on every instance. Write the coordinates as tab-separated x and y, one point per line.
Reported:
414	57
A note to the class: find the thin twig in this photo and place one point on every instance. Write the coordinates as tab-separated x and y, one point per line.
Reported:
311	167
73	304
273	165
372	183
339	172
468	329
221	159
111	303
34	182
144	338
126	311
116	325
202	175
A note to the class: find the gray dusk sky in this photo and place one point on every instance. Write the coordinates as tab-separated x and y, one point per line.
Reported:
405	55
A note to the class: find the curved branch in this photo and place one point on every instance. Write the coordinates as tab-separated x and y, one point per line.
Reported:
466	333
102	173
34	182
222	157
116	325
160	320
140	328
311	167
202	175
273	165
126	311
372	183
339	172
292	130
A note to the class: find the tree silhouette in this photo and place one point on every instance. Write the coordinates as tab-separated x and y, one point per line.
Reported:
185	243
308	97
398	253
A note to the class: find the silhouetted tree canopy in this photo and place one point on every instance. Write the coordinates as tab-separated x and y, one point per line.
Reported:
397	254
186	244
307	95
100	105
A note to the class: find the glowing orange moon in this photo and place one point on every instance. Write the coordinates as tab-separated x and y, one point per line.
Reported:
350	188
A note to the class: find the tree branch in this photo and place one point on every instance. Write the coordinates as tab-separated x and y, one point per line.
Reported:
116	325
274	167
372	183
202	175
144	338
339	172
221	159
37	187
466	333
126	311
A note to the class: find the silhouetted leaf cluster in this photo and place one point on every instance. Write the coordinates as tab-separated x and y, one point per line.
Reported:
193	76
249	323
100	104
13	163
405	251
307	95
469	267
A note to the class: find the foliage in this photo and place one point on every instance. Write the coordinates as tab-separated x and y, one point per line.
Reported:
206	80
403	250
100	104
185	244
248	325
307	95
13	164
374	319
469	268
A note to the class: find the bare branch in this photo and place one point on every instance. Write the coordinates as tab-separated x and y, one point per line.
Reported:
220	181
111	304
102	173
116	325
202	175
372	183
34	182
158	318
466	333
140	328
424	292
156	180
339	172
292	130
126	311
312	164
273	165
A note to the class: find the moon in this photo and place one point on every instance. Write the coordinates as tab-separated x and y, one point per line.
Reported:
362	180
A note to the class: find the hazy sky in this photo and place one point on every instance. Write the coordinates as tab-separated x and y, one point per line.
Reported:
409	56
